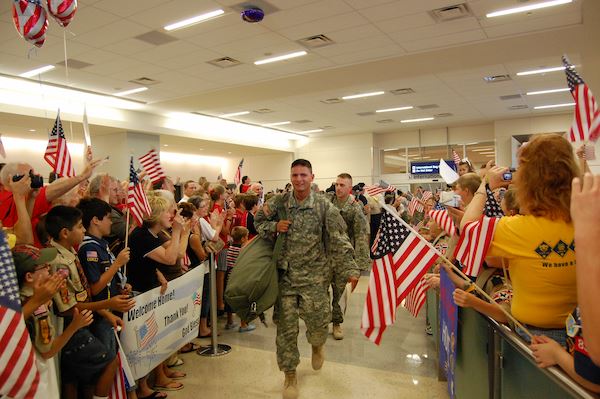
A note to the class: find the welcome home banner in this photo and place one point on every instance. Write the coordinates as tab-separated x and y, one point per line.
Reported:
159	325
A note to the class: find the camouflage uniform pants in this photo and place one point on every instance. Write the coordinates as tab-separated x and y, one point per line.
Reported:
338	284
309	303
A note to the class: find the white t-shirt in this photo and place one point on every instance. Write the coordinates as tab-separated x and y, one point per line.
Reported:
208	232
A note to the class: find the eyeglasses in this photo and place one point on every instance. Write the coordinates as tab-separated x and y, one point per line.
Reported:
45	266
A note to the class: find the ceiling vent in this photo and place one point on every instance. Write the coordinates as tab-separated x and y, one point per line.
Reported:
332	101
75	64
385	121
443	115
263	111
510	97
156	38
451	13
224	62
315	41
368	113
302	121
399	92
267	7
144	81
428	106
516	107
497	78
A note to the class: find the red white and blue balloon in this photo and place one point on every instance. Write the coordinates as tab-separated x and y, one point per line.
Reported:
63	11
31	20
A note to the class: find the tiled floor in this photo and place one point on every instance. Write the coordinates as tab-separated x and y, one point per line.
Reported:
403	366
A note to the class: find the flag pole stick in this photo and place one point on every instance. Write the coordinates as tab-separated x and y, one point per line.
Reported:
461	274
126	239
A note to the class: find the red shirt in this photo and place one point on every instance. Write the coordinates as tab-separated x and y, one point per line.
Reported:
8	210
222	235
239	218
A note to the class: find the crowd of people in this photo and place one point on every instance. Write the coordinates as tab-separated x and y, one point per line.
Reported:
68	243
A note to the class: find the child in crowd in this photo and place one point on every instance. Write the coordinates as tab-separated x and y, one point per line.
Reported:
576	361
100	266
86	359
239	236
32	267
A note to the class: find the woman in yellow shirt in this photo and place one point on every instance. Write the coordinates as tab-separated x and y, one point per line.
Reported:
539	244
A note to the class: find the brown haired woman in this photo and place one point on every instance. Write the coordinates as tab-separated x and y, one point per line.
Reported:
538	244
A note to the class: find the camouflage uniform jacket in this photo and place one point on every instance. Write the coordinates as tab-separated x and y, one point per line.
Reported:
316	236
358	229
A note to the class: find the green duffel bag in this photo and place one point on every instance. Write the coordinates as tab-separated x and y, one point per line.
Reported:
253	285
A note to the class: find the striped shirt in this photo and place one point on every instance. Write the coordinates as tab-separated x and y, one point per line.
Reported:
232	254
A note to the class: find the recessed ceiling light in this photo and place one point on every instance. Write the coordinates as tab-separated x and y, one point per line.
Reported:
543	70
393	109
229	152
554	106
278	123
533	93
280	58
311	131
234	114
194	20
132	91
37	71
165	145
371	94
32	130
530	7
416	120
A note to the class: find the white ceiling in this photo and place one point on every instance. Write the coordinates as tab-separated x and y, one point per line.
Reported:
379	45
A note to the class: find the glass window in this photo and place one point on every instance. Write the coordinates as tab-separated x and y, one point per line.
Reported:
393	161
480	153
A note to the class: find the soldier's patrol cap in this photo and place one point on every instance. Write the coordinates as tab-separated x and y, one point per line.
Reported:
27	257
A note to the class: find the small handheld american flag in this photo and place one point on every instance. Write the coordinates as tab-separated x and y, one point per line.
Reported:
151	164
137	202
380	188
57	154
585	105
238	173
475	240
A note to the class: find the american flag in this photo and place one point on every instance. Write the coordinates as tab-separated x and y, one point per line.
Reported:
136	197
147	332
238	173
20	377
416	298
455	157
474	242
444	220
377	189
401	258
151	164
595	128
491	209
197	298
118	389
585	104
413	205
57	154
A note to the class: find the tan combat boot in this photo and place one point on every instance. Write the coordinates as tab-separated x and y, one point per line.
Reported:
318	357
290	386
337	332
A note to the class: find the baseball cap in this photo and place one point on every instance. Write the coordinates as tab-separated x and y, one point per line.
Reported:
27	257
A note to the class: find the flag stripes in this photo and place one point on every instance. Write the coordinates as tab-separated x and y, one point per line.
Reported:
57	154
151	164
444	220
137	202
416	298
475	240
585	104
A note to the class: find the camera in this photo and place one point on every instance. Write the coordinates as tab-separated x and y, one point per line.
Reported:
507	176
37	181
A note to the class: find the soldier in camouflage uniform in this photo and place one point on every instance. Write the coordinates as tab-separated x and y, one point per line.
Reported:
315	239
358	233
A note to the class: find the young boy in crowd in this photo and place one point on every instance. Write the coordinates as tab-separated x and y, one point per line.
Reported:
100	266
239	236
86	359
32	266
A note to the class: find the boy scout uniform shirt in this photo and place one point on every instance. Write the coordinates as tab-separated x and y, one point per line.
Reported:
76	287
39	324
316	236
358	229
96	258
